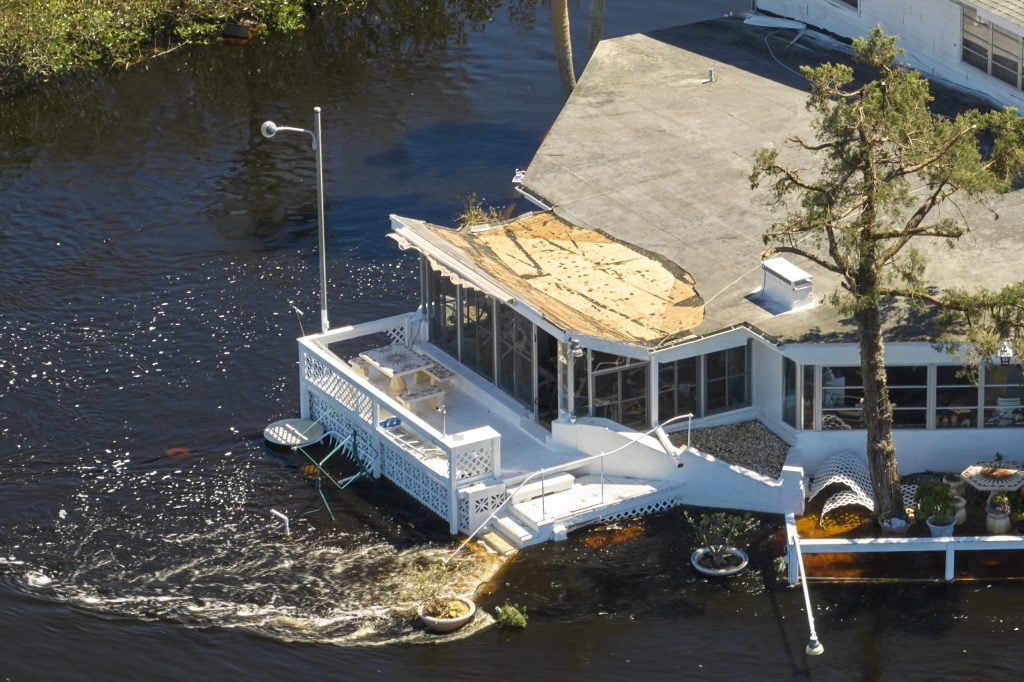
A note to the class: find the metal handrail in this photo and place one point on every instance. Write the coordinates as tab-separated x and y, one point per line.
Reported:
562	467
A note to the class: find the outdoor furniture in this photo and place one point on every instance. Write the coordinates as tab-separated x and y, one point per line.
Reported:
413	397
1005	413
360	365
994	476
439	375
396	362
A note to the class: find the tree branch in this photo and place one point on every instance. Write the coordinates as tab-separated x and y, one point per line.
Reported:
913	168
805	254
909	230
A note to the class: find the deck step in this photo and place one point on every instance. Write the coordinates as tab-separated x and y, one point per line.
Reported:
552	484
510	529
497	543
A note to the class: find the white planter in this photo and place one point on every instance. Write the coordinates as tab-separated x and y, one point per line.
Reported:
998	523
961	510
447	624
719	572
940	531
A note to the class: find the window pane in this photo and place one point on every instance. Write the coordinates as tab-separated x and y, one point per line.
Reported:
1000	416
946	375
606	388
909	419
634	383
841	376
908	397
736	359
907	376
966	396
604	361
717	365
789	392
634	414
808	396
716	394
1002	374
1003	396
736	388
1004	74
955	419
832	420
477	333
974	58
1005	42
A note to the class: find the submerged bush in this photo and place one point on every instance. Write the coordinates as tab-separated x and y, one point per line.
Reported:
45	39
511	616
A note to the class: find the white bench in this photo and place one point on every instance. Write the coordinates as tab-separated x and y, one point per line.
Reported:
439	374
360	365
432	393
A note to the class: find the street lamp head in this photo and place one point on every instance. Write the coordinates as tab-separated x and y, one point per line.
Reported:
269	129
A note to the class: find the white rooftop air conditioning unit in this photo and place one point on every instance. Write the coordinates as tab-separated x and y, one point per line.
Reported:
786	285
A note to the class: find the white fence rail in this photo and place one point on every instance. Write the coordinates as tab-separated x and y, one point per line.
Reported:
948	545
429	465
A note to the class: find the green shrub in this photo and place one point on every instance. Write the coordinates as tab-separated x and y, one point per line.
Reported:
511	616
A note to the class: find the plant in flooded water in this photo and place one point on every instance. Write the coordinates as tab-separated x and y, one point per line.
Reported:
718	531
432	587
510	615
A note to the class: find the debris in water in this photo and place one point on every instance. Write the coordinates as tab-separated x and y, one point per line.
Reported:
177	452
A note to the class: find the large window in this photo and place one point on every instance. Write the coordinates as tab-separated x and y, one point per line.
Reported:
852	3
726	381
515	355
956	398
1003	396
620	389
443	312
842	394
478	331
991	48
678	390
808	396
908	393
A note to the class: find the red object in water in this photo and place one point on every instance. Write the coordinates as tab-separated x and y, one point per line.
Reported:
177	452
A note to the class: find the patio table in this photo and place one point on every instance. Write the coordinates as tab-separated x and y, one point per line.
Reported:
994	476
396	362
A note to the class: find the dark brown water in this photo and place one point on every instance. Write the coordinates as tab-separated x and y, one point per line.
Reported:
151	245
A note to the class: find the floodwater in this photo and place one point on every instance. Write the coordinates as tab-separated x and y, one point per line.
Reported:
153	244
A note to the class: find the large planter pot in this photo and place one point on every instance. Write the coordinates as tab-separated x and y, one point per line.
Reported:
961	510
447	624
956	484
697	557
997	522
940	531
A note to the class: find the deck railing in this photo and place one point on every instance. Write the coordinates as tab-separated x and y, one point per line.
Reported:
429	465
949	545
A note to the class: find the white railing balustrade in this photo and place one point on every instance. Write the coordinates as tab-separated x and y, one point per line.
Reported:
428	464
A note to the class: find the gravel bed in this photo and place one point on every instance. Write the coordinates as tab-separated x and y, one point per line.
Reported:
747	444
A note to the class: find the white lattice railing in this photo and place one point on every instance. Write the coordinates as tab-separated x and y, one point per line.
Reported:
427	464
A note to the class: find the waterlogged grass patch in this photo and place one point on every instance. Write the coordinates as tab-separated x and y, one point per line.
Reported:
511	616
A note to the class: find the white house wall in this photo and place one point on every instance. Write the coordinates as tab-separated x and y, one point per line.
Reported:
929	31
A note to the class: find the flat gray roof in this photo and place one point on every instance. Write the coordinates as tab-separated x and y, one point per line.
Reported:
651	153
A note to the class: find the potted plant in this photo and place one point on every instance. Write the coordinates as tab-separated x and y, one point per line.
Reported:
440	610
718	533
935	500
998	519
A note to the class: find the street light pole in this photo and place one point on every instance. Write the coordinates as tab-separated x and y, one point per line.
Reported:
269	129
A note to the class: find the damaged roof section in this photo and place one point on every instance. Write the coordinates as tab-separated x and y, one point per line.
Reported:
579	279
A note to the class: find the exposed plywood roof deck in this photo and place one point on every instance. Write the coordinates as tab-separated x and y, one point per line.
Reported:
581	280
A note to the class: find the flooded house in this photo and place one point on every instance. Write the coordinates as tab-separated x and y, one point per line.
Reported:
560	366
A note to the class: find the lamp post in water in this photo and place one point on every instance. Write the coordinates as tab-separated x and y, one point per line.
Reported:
269	129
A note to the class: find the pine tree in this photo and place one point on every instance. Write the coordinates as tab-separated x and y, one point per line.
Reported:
857	215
